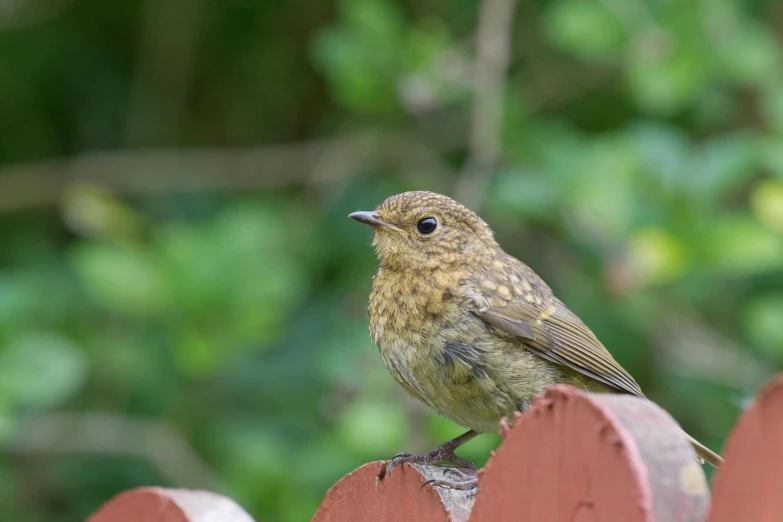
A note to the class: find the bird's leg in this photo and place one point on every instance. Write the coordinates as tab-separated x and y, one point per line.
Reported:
468	482
443	452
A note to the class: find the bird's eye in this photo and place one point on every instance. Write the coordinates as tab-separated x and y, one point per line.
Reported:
427	225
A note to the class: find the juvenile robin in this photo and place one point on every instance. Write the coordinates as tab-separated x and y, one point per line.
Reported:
469	330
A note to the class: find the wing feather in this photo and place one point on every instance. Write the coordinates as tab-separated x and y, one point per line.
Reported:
558	335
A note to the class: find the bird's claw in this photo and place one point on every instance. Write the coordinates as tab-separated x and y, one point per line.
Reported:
441	453
470	486
461	474
398	460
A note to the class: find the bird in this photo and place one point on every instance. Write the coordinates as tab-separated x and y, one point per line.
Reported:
471	331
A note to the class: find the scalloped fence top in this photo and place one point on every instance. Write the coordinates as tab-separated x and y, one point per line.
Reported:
572	457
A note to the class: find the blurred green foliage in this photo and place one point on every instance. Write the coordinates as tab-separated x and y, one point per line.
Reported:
641	176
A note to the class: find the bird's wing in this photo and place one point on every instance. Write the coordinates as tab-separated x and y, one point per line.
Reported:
549	329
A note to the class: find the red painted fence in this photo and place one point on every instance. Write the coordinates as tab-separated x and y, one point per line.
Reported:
572	457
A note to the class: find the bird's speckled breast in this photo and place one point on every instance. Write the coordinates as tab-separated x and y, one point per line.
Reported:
445	356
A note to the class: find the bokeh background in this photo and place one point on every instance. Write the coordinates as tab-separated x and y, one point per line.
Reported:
183	301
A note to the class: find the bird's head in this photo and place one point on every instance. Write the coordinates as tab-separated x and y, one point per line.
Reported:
424	230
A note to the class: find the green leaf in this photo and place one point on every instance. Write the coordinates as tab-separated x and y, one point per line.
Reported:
363	56
378	20
195	269
708	171
426	42
665	73
739	245
749	55
658	257
16	299
199	354
722	164
524	193
767	204
374	428
121	278
664	151
764	325
603	194
39	370
585	28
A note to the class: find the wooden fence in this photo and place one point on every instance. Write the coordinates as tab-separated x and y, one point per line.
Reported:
571	457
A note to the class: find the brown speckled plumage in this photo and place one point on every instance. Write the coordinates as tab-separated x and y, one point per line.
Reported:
468	329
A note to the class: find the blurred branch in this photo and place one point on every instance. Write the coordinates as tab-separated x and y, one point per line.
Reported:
493	41
141	172
115	436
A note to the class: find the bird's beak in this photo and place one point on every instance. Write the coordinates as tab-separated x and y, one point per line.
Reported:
372	219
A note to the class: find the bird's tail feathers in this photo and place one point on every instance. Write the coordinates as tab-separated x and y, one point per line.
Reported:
705	453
